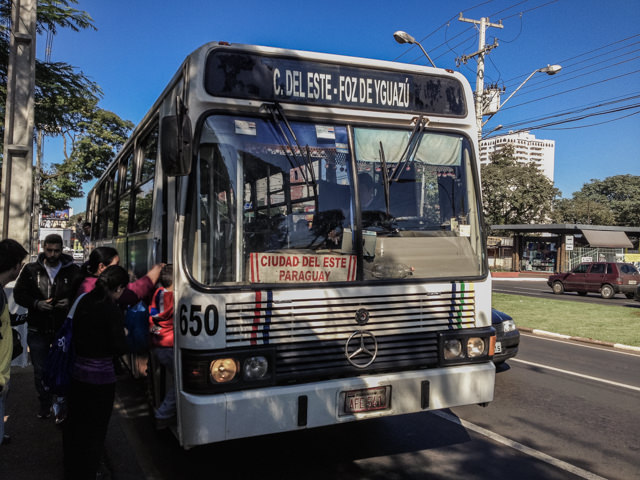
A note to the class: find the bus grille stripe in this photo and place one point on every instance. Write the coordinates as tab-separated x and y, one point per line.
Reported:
256	317
267	318
461	306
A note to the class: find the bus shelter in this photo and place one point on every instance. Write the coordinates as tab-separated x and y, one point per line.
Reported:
560	247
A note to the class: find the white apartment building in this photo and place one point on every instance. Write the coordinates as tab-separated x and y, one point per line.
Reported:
528	149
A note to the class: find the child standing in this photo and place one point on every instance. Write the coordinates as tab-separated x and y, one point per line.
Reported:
161	328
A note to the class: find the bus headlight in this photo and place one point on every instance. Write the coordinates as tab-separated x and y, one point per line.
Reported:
475	347
452	349
212	372
223	370
255	368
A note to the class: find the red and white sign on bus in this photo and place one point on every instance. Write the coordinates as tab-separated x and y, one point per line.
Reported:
286	267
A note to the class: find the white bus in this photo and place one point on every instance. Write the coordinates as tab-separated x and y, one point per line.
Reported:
323	216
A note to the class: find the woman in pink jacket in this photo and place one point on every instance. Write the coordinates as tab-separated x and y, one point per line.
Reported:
103	257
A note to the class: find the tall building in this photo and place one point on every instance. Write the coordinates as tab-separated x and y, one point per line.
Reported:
528	149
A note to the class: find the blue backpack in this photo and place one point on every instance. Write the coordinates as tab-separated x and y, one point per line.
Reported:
137	324
58	369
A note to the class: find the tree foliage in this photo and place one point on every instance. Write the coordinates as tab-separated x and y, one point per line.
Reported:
515	193
66	104
612	201
60	90
88	151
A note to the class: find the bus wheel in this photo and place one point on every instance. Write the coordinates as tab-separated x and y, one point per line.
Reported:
607	291
558	288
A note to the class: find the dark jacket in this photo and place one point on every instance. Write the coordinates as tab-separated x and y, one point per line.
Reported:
33	284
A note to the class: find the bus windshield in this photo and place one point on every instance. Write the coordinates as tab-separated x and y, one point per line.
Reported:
297	202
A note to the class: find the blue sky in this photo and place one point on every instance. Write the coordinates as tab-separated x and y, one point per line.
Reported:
139	44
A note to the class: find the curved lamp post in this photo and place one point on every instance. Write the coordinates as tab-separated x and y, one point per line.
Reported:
549	70
404	37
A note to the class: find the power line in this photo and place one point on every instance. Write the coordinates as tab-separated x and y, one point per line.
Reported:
597	104
556	83
575	119
599	82
563	62
566	67
592	124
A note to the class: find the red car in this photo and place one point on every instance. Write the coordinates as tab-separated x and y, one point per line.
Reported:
606	278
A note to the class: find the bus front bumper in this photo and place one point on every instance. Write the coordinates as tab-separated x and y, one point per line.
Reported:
212	418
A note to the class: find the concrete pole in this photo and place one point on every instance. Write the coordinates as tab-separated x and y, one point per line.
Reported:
483	49
37	211
480	75
17	169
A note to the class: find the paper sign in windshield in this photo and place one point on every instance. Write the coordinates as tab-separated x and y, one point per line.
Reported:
298	268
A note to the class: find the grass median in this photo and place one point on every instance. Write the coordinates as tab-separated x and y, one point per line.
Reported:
617	324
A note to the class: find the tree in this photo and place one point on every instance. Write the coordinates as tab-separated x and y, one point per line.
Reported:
88	150
612	201
513	192
582	210
61	92
66	104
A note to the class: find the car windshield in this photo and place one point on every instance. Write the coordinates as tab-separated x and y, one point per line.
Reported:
280	202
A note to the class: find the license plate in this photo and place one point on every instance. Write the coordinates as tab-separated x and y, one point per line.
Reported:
632	282
367	400
498	347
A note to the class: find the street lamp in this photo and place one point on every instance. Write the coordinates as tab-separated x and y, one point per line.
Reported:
549	70
404	37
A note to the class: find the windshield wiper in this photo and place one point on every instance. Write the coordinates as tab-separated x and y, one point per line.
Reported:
412	144
275	110
385	178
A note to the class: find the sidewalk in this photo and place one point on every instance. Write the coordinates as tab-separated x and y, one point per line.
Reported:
520	275
35	451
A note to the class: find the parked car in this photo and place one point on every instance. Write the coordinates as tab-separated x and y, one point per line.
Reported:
606	278
507	336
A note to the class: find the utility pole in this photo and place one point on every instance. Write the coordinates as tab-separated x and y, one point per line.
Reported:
36	212
483	49
17	169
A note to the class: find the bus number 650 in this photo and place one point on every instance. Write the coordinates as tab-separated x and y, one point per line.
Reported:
193	321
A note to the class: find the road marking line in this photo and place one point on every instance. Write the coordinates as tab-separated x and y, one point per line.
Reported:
520	447
616	348
588	377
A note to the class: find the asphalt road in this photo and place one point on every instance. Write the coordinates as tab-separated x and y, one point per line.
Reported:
539	288
561	410
577	403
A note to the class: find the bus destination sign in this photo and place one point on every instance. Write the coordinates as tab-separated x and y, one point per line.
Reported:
235	74
301	268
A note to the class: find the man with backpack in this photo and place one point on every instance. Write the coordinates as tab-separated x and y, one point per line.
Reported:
46	288
11	256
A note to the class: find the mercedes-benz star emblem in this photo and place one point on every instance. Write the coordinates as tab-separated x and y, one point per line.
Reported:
361	348
362	316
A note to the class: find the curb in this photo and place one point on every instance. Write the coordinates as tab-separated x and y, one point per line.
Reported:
544	333
520	279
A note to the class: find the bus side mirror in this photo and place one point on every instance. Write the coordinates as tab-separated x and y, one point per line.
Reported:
175	145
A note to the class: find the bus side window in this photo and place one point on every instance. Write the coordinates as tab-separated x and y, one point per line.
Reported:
142	209
123	218
126	178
